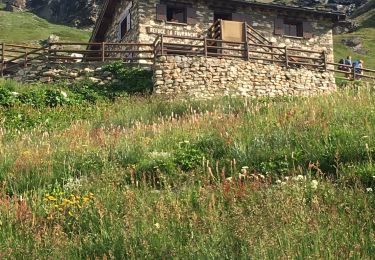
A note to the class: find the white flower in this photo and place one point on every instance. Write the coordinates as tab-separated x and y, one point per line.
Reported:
244	169
278	182
314	184
369	190
298	178
157	225
65	95
286	178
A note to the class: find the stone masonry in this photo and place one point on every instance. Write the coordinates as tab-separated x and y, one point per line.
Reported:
201	77
144	17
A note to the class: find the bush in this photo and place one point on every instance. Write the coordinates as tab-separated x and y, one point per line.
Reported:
7	98
188	156
132	80
156	170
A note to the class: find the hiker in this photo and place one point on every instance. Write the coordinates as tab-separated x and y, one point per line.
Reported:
346	65
358	68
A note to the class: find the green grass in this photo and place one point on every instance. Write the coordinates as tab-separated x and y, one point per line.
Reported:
143	177
27	28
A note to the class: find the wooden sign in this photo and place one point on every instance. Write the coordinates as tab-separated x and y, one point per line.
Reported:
171	32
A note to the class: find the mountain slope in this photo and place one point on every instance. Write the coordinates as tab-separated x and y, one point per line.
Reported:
27	28
365	17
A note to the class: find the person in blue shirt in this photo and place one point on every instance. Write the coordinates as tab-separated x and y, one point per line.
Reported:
358	68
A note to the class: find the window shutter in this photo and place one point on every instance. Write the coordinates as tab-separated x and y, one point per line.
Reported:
241	17
161	12
279	26
129	21
307	30
191	14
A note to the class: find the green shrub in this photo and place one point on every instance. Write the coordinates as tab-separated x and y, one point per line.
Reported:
132	80
188	156
7	98
156	170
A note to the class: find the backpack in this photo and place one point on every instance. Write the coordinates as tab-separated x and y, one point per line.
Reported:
341	62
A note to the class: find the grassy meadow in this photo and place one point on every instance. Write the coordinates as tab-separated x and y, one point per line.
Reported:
27	28
89	174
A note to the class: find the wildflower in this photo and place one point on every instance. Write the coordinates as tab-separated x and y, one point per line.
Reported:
278	182
314	184
369	190
86	199
157	225
51	198
286	178
64	94
298	178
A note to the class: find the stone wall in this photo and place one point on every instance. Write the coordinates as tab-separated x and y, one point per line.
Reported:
200	77
67	72
132	35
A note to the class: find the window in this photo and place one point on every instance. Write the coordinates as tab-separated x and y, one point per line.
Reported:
177	13
293	28
125	26
125	23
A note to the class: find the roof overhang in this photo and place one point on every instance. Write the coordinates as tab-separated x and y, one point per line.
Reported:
323	12
104	20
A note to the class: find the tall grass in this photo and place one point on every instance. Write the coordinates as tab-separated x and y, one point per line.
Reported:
228	178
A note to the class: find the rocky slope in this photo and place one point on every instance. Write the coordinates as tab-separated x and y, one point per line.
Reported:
78	13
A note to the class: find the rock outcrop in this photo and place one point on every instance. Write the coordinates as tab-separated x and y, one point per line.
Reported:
78	13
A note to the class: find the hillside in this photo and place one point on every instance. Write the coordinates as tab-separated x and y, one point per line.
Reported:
27	28
365	35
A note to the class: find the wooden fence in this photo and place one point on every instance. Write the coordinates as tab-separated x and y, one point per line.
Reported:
350	72
255	48
207	47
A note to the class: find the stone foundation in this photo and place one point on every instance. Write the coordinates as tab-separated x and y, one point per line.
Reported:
201	77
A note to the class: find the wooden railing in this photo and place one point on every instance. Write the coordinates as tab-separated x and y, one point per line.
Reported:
290	57
13	57
351	72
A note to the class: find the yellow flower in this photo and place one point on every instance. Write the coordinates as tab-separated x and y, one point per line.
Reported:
51	198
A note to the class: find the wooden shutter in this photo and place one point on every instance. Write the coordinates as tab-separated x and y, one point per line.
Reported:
307	30
129	21
241	17
279	26
191	16
161	12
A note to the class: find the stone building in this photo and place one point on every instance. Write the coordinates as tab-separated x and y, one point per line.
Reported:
263	29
